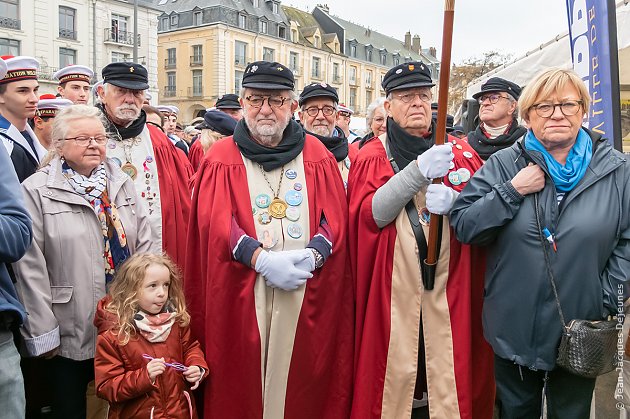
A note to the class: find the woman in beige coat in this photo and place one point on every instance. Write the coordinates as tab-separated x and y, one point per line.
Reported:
87	219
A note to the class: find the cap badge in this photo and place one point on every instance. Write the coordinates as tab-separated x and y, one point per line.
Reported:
131	69
324	85
411	67
280	69
253	69
399	71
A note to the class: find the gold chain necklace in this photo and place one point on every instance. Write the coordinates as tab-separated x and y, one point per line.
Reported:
277	208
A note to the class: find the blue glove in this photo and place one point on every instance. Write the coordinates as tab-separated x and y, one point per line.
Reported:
281	270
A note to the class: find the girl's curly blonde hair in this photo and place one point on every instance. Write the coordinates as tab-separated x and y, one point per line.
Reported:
126	285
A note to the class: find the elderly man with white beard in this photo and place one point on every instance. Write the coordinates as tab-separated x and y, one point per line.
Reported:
160	173
267	283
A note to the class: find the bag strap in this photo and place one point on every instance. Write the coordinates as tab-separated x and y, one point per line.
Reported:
543	242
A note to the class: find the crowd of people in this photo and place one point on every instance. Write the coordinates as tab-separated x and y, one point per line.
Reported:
255	264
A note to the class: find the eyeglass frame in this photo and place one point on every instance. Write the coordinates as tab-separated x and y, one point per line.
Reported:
579	102
399	96
268	97
483	98
332	112
105	138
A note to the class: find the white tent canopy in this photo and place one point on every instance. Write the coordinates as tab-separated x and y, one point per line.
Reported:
557	53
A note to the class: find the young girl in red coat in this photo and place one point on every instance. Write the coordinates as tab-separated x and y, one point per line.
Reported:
146	360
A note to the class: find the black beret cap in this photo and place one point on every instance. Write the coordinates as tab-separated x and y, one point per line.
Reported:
268	75
318	90
228	101
126	75
497	84
219	122
406	76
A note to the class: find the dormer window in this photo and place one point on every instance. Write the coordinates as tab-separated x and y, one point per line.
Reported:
274	7
255	3
174	19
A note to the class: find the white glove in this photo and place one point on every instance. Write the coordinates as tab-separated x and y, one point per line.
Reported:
436	161
308	264
440	198
280	269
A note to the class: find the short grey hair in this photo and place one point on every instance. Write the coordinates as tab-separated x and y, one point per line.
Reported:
371	110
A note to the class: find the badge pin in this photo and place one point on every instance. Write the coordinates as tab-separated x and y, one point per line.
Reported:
149	159
291	174
468	154
294	230
264	218
458	146
111	145
451	166
454	178
297	186
254	210
346	162
293	198
117	161
263	200
268	239
293	213
464	174
425	216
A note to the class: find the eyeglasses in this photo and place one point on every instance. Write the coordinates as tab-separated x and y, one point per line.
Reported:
85	141
408	97
568	108
314	110
273	101
493	98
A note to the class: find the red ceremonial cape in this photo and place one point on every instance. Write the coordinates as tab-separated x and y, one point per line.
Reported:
195	154
220	295
372	253
174	172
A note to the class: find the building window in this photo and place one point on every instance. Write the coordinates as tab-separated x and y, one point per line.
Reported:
268	54
317	42
119	29
294	35
164	23
67	57
368	55
197	57
294	62
275	8
383	59
316	70
238	80
171	84
242	21
368	78
368	98
336	75
67	26
118	57
240	53
10	14
256	3
197	18
353	51
353	75
396	61
282	32
9	47
353	97
197	83
174	20
171	57
263	26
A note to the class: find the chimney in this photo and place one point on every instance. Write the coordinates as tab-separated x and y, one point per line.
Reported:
324	7
408	40
433	52
416	44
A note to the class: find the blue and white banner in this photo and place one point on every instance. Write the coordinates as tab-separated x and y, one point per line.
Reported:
593	36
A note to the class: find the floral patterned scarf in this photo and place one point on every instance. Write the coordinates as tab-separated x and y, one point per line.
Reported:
94	190
155	327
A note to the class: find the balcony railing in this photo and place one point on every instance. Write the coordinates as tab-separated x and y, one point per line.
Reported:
67	34
170	91
196	60
10	23
46	73
168	63
120	37
196	91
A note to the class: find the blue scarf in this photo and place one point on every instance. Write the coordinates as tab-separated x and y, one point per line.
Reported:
565	177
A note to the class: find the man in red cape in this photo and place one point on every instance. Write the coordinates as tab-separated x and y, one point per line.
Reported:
267	280
160	171
414	345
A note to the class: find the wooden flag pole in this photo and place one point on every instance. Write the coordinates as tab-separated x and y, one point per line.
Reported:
430	264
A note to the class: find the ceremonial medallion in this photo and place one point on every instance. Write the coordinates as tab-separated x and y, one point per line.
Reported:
294	230
278	208
293	198
130	170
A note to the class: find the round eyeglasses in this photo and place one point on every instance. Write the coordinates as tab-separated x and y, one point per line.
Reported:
85	141
493	98
273	101
314	110
568	108
408	97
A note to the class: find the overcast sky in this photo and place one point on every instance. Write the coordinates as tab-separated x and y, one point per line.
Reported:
507	26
